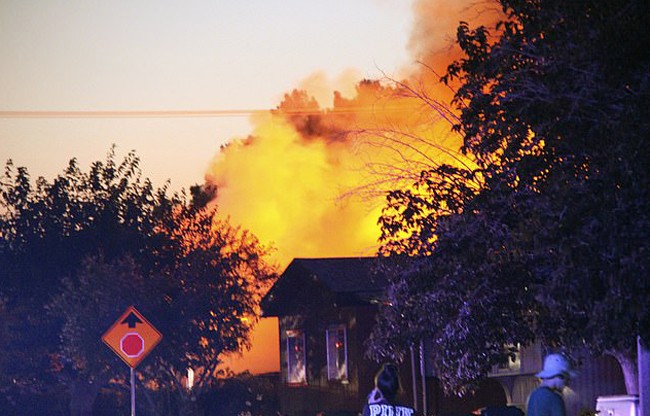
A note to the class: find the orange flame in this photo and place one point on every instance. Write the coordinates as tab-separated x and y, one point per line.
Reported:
311	176
309	180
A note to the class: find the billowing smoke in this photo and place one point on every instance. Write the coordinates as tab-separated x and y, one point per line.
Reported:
310	177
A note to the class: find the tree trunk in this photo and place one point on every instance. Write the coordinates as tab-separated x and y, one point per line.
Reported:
629	365
82	397
188	406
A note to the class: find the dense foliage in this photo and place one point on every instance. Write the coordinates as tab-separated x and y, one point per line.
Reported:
75	252
548	239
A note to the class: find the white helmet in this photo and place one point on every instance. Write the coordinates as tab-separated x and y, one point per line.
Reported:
555	365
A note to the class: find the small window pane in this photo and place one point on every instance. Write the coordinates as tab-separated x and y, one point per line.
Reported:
337	353
296	357
511	366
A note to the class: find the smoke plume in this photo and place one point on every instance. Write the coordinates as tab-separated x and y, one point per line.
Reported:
311	177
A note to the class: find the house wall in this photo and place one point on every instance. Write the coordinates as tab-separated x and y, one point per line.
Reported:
596	376
319	393
347	399
601	376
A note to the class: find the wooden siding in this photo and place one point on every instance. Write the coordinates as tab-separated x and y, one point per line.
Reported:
601	376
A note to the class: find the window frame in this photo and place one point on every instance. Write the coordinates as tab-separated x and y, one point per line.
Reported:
334	367
297	358
510	367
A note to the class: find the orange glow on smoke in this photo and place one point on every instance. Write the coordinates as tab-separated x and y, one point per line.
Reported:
311	177
286	191
309	180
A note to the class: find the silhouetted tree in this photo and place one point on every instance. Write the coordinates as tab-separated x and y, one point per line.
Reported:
77	251
548	238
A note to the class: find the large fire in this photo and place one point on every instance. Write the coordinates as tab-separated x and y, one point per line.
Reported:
298	180
311	177
311	181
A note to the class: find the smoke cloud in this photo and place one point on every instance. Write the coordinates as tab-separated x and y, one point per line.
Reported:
310	178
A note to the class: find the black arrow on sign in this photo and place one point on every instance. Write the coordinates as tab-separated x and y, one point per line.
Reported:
132	320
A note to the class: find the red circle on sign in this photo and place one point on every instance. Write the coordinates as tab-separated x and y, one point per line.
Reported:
132	344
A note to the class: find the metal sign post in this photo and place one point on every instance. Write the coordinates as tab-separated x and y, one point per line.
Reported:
132	392
132	338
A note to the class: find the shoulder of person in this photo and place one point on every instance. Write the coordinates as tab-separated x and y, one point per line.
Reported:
543	390
385	408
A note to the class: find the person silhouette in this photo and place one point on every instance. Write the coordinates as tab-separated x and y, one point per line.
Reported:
382	400
547	400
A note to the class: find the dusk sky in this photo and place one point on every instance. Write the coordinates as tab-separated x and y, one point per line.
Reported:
161	57
77	77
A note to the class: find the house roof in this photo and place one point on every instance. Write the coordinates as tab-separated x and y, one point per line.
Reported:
346	280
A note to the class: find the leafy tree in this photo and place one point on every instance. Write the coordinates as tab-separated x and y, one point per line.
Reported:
48	228
213	297
550	241
87	304
76	252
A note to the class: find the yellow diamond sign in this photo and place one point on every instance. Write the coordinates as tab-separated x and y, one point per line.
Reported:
132	337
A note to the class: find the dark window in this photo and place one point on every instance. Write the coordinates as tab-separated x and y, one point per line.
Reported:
337	353
296	373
